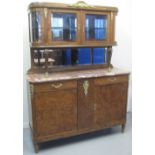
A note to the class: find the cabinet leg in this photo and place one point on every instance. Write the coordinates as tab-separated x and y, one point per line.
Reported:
123	128
36	147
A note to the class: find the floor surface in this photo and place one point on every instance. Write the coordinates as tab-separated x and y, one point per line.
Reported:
106	142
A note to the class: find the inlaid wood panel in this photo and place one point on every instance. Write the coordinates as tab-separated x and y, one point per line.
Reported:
110	103
56	111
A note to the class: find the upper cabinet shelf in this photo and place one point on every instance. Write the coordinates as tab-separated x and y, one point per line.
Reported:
80	24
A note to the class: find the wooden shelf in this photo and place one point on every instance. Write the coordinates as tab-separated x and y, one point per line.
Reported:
70	46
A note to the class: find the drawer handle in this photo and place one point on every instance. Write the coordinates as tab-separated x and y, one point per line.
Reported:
113	79
57	85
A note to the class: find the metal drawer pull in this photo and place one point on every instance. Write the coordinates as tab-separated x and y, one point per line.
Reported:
57	85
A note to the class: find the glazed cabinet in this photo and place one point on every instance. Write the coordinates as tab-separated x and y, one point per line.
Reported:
74	88
73	25
70	37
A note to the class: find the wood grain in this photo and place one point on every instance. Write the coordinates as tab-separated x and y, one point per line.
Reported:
68	111
56	111
85	105
110	103
77	99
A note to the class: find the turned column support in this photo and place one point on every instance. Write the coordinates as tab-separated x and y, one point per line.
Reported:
46	62
32	57
110	66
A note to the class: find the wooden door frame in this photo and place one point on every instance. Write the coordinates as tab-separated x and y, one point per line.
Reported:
50	41
84	41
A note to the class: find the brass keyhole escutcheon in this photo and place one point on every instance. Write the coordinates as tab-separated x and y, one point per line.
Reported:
85	87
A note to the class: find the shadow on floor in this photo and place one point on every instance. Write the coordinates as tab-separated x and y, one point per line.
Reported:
80	138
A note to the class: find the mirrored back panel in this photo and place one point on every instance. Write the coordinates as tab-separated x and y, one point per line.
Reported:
69	57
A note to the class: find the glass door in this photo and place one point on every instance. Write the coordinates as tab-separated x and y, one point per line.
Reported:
96	28
64	27
36	26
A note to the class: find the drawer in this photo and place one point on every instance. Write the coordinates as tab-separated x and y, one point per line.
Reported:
111	80
52	86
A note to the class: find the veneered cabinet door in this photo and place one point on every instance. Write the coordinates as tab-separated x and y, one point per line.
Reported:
85	104
110	103
56	111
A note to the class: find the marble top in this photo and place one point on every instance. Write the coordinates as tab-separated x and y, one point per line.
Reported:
70	75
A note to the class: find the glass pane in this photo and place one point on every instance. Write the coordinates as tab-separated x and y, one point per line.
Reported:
35	26
63	27
67	57
55	57
70	57
84	56
100	56
81	56
96	27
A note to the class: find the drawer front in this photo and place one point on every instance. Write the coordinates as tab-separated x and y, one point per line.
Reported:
52	86
111	80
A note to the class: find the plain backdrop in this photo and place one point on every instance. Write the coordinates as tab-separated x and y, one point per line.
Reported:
122	53
13	17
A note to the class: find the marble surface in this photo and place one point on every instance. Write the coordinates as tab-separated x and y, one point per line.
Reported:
50	77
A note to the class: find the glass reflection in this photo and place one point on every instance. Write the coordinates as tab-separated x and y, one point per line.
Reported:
36	26
84	56
63	27
70	57
100	56
96	27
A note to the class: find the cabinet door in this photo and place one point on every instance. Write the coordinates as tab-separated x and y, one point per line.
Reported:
96	28
85	104
56	111
110	100
64	27
36	26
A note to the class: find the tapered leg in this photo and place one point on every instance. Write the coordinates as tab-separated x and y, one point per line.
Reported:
36	147
123	128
